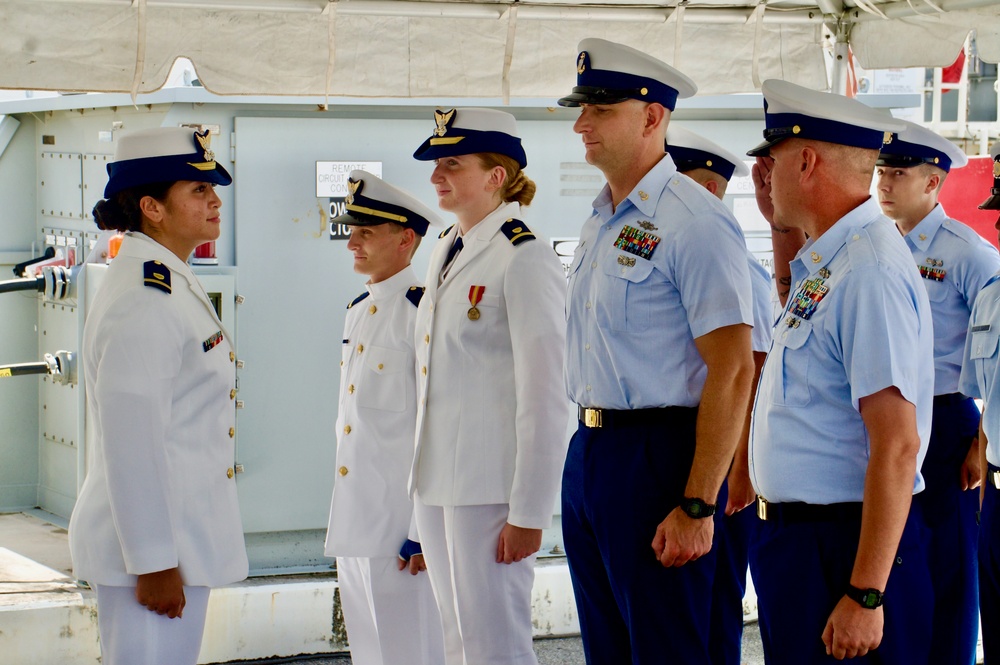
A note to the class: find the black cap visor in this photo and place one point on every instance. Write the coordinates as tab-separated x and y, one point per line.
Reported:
992	203
584	94
903	161
764	149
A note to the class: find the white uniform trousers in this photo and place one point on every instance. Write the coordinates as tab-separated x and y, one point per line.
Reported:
391	615
133	635
485	606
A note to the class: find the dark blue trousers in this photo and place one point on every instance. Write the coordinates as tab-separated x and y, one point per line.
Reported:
732	541
801	571
989	572
618	485
950	514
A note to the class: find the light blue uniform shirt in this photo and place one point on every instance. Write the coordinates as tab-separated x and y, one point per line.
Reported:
634	310
858	321
763	312
981	366
955	262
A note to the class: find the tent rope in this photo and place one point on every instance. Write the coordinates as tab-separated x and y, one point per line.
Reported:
508	55
758	18
679	32
331	28
140	47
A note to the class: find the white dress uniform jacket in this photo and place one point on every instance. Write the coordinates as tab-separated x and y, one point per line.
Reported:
160	378
492	414
371	509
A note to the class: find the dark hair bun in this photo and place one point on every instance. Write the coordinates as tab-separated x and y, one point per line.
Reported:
109	216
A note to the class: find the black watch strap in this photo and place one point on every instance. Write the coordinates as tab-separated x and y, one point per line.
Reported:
869	599
696	508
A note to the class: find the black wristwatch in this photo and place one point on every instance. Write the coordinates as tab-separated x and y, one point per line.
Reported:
696	508
866	598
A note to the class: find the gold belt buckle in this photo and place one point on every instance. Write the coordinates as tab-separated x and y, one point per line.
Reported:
592	417
995	479
762	508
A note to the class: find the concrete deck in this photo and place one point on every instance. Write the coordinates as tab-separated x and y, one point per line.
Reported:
48	618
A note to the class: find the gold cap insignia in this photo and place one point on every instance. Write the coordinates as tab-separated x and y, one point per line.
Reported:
204	141
996	169
581	63
353	187
887	138
443	119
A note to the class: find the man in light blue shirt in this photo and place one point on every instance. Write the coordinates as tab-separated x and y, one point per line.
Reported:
980	371
955	263
842	416
658	361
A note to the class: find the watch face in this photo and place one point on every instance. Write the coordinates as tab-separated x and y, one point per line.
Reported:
870	600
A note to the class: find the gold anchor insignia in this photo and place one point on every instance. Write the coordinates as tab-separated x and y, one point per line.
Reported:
816	258
922	236
581	63
353	187
643	195
647	225
442	119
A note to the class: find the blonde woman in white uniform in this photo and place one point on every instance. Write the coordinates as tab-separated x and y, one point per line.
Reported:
157	522
492	412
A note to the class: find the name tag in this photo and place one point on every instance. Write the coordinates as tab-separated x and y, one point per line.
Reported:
983	328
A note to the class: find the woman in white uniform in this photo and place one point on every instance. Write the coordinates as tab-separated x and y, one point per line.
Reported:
157	522
492	412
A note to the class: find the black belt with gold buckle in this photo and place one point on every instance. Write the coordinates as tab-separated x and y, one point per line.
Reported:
612	418
796	512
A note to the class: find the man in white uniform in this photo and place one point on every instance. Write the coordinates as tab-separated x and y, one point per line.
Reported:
390	614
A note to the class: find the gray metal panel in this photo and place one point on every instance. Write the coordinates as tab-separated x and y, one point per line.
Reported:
60	185
95	178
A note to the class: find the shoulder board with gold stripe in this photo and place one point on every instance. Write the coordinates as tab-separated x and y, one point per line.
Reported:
156	275
358	299
414	294
516	231
445	232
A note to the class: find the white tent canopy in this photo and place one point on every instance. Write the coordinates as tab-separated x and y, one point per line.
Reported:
463	48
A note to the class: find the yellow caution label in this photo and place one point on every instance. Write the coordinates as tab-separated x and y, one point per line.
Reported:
5	372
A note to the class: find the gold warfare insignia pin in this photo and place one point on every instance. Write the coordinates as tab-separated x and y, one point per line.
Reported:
443	120
581	63
353	187
647	225
824	273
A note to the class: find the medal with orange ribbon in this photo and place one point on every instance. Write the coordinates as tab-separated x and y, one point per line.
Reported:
475	295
